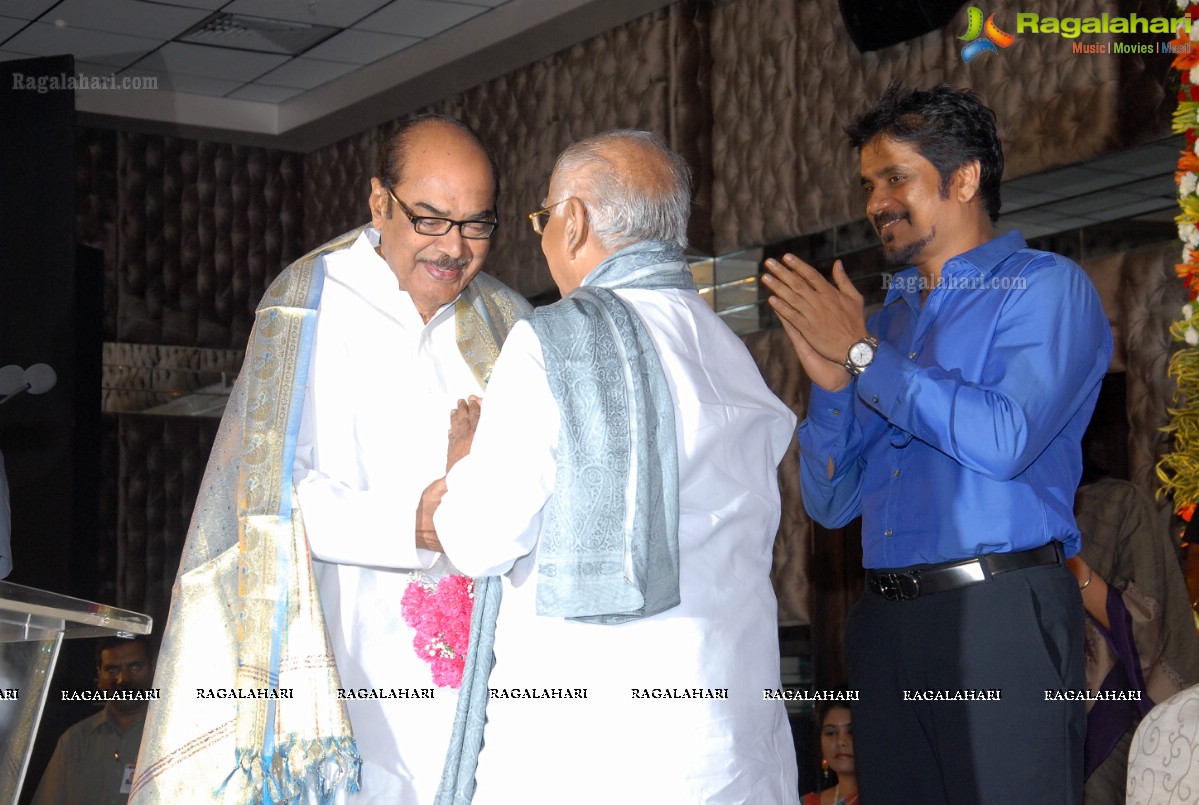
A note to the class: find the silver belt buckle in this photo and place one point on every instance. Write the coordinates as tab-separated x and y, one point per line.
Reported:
898	586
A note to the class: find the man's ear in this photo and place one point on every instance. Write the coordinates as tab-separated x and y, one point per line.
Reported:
966	179
577	228
378	202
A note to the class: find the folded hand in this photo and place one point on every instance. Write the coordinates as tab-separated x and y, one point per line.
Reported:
463	421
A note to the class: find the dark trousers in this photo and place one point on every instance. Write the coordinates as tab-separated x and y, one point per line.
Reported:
1021	634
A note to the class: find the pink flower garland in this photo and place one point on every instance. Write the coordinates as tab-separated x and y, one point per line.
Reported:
440	614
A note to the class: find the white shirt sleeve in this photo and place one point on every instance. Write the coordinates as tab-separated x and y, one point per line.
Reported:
491	514
381	384
354	527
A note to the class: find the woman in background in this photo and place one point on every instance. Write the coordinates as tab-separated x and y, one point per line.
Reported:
1140	633
836	746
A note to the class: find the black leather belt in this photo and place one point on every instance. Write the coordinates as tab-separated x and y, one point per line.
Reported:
905	585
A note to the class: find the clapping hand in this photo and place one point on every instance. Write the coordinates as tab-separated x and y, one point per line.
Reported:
821	318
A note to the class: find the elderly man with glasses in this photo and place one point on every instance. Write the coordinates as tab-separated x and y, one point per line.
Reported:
623	480
301	582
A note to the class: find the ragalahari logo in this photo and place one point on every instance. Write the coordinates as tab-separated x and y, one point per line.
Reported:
992	36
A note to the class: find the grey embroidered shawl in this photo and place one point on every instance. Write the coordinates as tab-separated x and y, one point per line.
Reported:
609	552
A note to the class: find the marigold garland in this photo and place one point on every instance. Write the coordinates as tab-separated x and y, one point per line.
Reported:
1179	469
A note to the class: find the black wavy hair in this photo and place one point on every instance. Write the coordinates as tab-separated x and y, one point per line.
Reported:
949	126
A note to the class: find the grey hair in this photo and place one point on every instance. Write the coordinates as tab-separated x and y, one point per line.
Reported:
632	194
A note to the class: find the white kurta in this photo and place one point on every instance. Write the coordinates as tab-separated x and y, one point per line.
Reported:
373	435
613	746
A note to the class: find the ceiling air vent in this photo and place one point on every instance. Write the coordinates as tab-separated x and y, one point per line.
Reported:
258	34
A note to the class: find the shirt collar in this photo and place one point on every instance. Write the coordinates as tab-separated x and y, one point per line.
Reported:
364	247
987	257
984	259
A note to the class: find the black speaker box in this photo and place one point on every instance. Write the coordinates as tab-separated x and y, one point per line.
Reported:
874	25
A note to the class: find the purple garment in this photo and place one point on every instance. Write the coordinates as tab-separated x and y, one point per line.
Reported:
1107	721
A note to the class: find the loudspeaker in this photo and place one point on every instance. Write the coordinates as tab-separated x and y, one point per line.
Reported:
873	25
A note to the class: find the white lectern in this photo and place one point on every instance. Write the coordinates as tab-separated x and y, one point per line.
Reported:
33	624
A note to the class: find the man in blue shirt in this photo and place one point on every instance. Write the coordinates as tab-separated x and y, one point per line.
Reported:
951	423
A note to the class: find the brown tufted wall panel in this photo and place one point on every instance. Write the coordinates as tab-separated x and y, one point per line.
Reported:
202	228
161	463
785	78
192	232
1150	300
776	360
96	205
1147	85
337	183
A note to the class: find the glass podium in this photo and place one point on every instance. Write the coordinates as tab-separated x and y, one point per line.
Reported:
33	624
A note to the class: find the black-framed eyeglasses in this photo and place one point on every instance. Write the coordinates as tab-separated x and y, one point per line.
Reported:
542	217
436	227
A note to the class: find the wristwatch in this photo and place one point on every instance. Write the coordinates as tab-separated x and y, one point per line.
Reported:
861	355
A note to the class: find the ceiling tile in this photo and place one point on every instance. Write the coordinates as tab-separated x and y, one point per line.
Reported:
1163	185
27	9
43	39
130	17
1074	180
303	73
198	60
360	47
421	18
93	69
1144	161
341	13
1137	208
1028	230
9	26
1016	196
1092	204
1076	221
210	5
191	84
264	94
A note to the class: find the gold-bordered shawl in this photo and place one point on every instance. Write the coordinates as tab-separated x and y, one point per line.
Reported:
245	612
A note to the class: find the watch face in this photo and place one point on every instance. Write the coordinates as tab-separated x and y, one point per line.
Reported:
861	354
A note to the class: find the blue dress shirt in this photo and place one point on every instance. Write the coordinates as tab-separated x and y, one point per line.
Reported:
963	436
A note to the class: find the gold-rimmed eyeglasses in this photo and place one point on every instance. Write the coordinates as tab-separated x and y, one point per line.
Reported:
436	227
542	217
